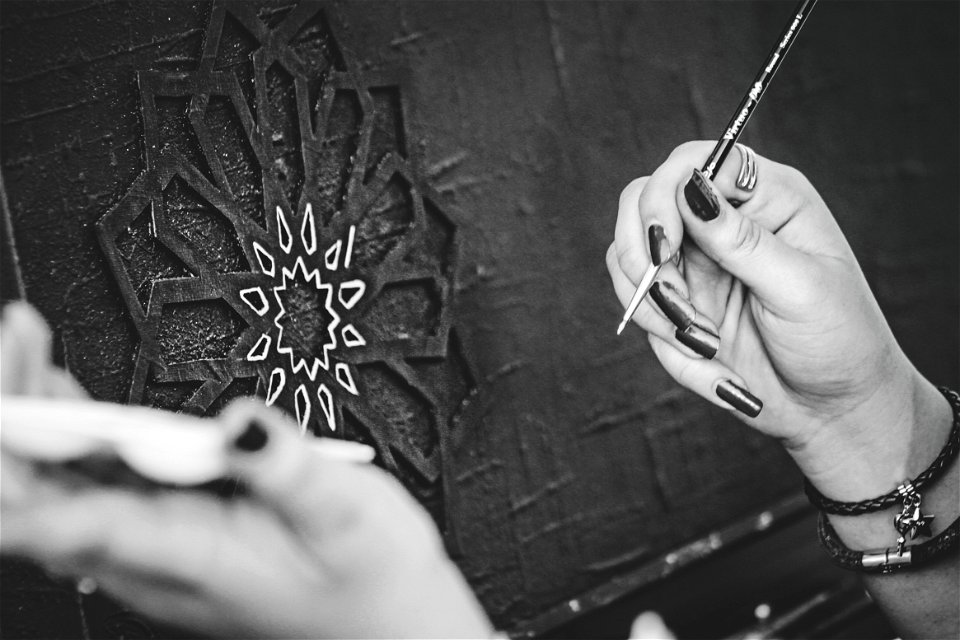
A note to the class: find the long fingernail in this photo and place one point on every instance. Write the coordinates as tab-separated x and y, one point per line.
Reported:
739	398
253	438
693	330
673	304
701	341
703	202
659	245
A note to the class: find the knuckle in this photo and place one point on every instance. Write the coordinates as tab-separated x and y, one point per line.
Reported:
796	188
611	257
746	237
795	177
633	189
632	261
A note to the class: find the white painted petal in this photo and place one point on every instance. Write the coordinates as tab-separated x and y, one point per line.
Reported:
345	377
349	255
308	232
301	401
267	264
283	232
351	292
278	378
260	349
332	257
326	405
351	337
256	300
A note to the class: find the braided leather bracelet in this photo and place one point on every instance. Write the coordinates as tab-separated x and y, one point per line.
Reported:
932	473
887	560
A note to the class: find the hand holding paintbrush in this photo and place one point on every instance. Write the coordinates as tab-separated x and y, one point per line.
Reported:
695	331
722	149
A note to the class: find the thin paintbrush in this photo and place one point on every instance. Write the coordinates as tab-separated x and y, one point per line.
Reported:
740	117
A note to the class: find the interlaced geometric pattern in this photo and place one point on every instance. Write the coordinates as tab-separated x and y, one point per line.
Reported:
282	242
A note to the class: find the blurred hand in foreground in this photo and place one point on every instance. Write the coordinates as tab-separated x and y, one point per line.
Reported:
315	548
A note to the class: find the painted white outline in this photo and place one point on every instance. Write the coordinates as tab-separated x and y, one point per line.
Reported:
274	389
345	377
331	258
348	294
308	227
262	253
260	349
283	229
351	337
300	398
326	405
359	287
264	303
298	364
350	236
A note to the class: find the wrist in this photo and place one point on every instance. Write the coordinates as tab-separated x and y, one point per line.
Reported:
890	437
931	478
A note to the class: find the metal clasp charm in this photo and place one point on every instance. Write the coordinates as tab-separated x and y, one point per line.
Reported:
911	519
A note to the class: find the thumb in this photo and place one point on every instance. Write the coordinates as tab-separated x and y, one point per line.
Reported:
774	271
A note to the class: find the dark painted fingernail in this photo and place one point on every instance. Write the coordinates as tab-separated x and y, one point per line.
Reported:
253	438
693	330
739	398
702	341
659	245
673	304
700	197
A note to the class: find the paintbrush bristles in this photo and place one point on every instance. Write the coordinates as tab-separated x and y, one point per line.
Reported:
645	283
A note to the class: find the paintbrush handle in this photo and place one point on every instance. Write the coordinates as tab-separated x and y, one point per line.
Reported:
749	102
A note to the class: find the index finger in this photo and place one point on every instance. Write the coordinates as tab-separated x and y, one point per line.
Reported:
631	248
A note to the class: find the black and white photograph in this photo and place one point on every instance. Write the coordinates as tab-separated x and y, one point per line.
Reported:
481	319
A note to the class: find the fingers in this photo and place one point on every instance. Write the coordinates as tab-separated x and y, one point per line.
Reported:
667	312
275	462
164	533
647	215
649	226
694	330
25	346
775	272
630	235
710	379
316	494
624	287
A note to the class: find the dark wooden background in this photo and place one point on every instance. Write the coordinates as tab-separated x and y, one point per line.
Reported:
572	472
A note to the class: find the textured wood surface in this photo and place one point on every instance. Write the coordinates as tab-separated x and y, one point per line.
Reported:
562	463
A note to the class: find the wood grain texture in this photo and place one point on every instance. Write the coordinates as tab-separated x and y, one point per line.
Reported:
572	463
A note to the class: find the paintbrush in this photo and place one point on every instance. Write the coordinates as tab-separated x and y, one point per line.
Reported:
732	133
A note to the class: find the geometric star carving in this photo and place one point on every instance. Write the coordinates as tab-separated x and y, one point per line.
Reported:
282	241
